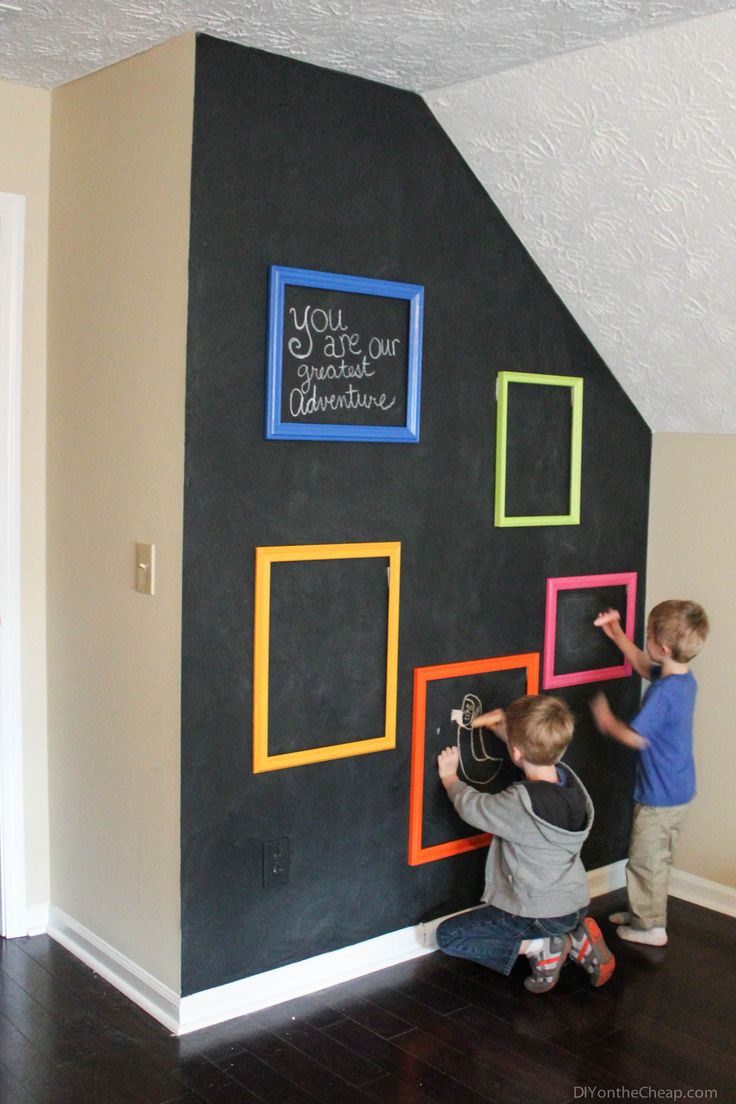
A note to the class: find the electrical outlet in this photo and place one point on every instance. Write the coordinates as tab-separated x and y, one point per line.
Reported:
275	862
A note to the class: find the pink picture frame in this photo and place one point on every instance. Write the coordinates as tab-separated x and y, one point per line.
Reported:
550	680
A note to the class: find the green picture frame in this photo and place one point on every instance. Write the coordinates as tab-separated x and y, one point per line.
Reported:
575	384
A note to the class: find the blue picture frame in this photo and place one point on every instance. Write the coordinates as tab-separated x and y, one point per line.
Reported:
277	428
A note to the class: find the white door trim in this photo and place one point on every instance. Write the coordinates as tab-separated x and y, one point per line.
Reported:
13	919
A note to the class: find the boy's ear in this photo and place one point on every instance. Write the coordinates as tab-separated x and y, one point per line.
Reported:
515	754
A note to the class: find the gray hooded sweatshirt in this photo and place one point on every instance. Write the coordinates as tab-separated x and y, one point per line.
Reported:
533	867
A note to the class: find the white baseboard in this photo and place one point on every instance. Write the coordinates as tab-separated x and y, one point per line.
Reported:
141	987
688	887
250	994
607	878
211	1006
263	990
37	919
224	1002
700	891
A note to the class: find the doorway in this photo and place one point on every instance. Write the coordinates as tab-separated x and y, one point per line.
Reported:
13	914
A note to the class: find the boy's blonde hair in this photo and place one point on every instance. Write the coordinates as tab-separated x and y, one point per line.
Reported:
681	625
540	727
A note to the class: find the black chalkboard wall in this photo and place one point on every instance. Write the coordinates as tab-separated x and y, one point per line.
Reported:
297	165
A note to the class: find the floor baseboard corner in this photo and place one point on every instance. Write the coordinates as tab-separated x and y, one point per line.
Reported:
137	984
701	891
37	918
605	879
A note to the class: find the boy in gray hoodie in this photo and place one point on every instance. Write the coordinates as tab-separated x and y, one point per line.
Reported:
536	890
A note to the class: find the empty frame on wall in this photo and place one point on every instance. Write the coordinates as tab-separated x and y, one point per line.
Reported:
575	651
344	357
528	668
333	613
539	435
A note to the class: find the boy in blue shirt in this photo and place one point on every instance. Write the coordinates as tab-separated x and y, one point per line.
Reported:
662	733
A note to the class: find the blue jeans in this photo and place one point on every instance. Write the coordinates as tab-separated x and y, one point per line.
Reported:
493	937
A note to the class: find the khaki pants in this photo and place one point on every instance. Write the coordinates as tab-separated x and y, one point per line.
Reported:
654	834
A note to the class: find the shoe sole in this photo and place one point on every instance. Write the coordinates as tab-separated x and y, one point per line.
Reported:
606	960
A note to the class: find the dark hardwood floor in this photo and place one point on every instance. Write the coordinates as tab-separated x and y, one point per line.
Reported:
431	1030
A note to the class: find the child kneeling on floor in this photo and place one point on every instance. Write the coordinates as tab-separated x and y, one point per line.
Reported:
536	890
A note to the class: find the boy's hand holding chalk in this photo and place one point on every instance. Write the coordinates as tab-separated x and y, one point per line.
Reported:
610	621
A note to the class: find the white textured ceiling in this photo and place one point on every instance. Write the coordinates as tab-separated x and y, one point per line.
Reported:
616	166
605	130
419	44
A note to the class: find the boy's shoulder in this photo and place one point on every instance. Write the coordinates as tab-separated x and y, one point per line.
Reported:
566	804
681	684
668	706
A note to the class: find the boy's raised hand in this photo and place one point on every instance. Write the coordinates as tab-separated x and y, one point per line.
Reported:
495	718
610	725
447	762
609	620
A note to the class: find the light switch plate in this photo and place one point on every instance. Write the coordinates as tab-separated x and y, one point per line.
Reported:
145	568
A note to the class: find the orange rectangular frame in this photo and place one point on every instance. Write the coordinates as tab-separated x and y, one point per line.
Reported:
423	675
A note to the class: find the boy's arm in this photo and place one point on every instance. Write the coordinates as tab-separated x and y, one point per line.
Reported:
610	725
495	720
610	621
497	813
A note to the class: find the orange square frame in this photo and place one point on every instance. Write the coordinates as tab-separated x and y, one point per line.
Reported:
423	675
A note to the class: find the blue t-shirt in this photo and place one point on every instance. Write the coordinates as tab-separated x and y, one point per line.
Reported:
666	773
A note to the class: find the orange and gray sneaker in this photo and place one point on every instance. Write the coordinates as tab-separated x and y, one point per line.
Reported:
545	964
589	950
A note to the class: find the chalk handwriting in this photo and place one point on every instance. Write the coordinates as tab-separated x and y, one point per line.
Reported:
378	347
304	401
328	352
342	345
314	320
311	372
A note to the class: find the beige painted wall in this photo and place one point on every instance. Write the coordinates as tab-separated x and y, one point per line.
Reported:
119	238
692	554
25	118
